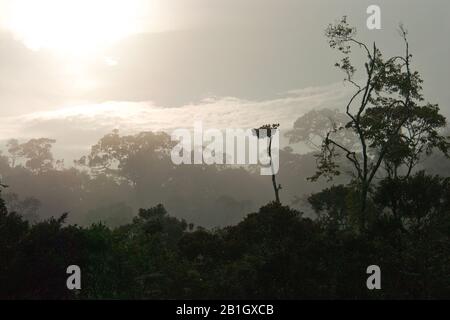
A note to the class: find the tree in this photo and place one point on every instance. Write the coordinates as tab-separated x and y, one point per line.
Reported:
414	201
392	123
313	127
12	230
127	156
13	150
3	210
36	152
267	131
332	206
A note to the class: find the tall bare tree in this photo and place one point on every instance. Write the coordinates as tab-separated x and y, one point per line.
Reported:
266	131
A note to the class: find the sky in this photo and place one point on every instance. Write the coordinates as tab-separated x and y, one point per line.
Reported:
76	69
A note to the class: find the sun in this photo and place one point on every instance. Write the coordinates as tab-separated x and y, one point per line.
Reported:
75	27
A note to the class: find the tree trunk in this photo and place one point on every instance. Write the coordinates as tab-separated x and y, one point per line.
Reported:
364	193
276	188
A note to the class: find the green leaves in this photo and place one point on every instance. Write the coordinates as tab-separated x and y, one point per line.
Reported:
386	115
339	34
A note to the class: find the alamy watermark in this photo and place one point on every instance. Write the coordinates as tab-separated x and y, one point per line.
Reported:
229	146
373	22
74	280
374	280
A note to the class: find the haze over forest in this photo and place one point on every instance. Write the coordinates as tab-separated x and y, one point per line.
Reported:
230	65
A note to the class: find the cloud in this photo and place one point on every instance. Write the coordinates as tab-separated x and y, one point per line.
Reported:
77	127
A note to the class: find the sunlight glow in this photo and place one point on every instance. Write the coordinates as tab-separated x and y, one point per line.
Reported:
75	27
